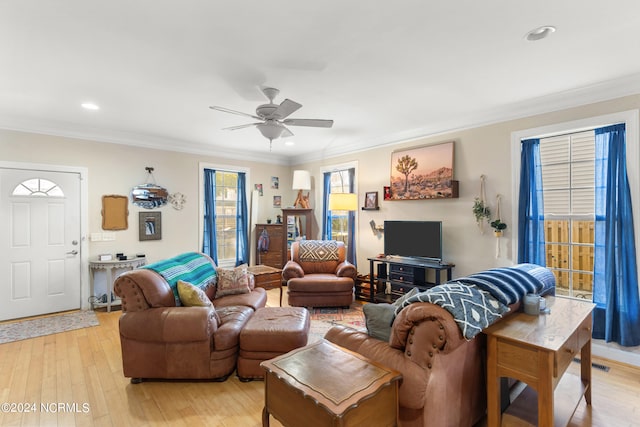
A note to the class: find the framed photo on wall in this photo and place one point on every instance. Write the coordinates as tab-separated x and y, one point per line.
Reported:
422	173
371	200
149	226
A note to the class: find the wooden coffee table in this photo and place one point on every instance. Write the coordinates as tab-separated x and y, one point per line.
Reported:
267	277
323	384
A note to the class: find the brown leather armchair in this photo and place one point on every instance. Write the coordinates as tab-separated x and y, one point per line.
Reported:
318	274
443	375
160	340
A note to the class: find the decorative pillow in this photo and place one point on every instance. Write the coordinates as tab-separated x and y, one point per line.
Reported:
192	296
318	250
378	318
400	301
232	281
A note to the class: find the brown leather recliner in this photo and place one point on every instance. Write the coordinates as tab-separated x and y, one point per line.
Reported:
318	274
443	374
160	340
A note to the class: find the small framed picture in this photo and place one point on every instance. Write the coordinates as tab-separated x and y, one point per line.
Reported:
277	201
371	200
275	182
387	192
258	188
149	226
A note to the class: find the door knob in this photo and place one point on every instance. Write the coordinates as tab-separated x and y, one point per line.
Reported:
73	252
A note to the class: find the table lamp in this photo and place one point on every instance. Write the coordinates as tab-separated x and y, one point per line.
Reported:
343	202
301	181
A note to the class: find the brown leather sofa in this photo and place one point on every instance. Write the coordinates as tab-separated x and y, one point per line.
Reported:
160	340
323	279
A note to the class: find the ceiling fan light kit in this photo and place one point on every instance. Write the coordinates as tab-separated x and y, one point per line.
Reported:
274	117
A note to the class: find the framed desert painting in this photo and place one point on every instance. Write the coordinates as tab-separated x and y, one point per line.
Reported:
423	173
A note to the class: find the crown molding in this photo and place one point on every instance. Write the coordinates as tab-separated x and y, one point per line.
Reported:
597	92
135	140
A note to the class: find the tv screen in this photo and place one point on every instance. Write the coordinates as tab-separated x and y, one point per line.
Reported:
413	239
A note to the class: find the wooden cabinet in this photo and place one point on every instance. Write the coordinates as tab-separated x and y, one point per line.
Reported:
274	257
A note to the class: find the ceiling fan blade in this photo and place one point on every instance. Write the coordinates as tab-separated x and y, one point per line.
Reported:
240	126
309	122
240	113
285	109
286	133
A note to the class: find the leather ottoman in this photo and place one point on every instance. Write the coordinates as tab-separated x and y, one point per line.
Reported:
271	332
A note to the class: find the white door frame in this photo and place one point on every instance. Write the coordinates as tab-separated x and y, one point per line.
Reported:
84	217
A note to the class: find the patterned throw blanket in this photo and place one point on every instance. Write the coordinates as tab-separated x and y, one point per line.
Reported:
318	250
477	301
190	267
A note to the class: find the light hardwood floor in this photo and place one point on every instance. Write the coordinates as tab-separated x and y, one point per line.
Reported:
82	371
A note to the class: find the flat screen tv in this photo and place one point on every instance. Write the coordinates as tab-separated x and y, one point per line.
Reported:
420	239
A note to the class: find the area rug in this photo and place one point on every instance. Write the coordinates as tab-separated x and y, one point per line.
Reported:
323	319
31	328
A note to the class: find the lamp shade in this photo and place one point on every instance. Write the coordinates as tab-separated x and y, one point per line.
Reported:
343	201
301	180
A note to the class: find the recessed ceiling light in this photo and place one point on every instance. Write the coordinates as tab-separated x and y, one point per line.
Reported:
90	106
539	33
289	142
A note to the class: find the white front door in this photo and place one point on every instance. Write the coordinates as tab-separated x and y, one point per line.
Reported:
39	242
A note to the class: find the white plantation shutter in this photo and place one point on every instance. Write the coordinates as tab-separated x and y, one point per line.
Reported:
568	174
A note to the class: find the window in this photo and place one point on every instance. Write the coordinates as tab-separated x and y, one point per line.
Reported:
226	213
225	236
568	180
340	224
38	187
340	182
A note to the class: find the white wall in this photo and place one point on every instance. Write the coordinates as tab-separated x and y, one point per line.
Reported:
115	169
484	150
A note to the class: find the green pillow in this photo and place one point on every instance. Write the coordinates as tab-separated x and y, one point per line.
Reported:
378	318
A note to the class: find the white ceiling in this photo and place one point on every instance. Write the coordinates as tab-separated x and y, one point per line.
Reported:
383	71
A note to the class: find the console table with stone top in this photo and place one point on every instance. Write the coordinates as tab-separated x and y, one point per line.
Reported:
111	267
323	384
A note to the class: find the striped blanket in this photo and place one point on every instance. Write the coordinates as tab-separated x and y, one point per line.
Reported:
478	300
191	267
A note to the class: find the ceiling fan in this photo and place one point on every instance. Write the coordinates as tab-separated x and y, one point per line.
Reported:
273	117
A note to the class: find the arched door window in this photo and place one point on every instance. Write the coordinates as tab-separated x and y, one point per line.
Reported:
38	187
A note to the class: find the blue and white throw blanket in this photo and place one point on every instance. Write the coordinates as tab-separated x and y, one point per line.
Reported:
477	301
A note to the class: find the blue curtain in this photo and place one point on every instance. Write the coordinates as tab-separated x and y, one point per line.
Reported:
351	244
209	238
531	244
615	287
326	213
242	227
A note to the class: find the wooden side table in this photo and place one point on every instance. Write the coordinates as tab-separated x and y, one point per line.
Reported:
323	384
537	351
267	277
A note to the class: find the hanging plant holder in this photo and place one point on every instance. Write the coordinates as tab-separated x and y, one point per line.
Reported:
498	226
480	209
